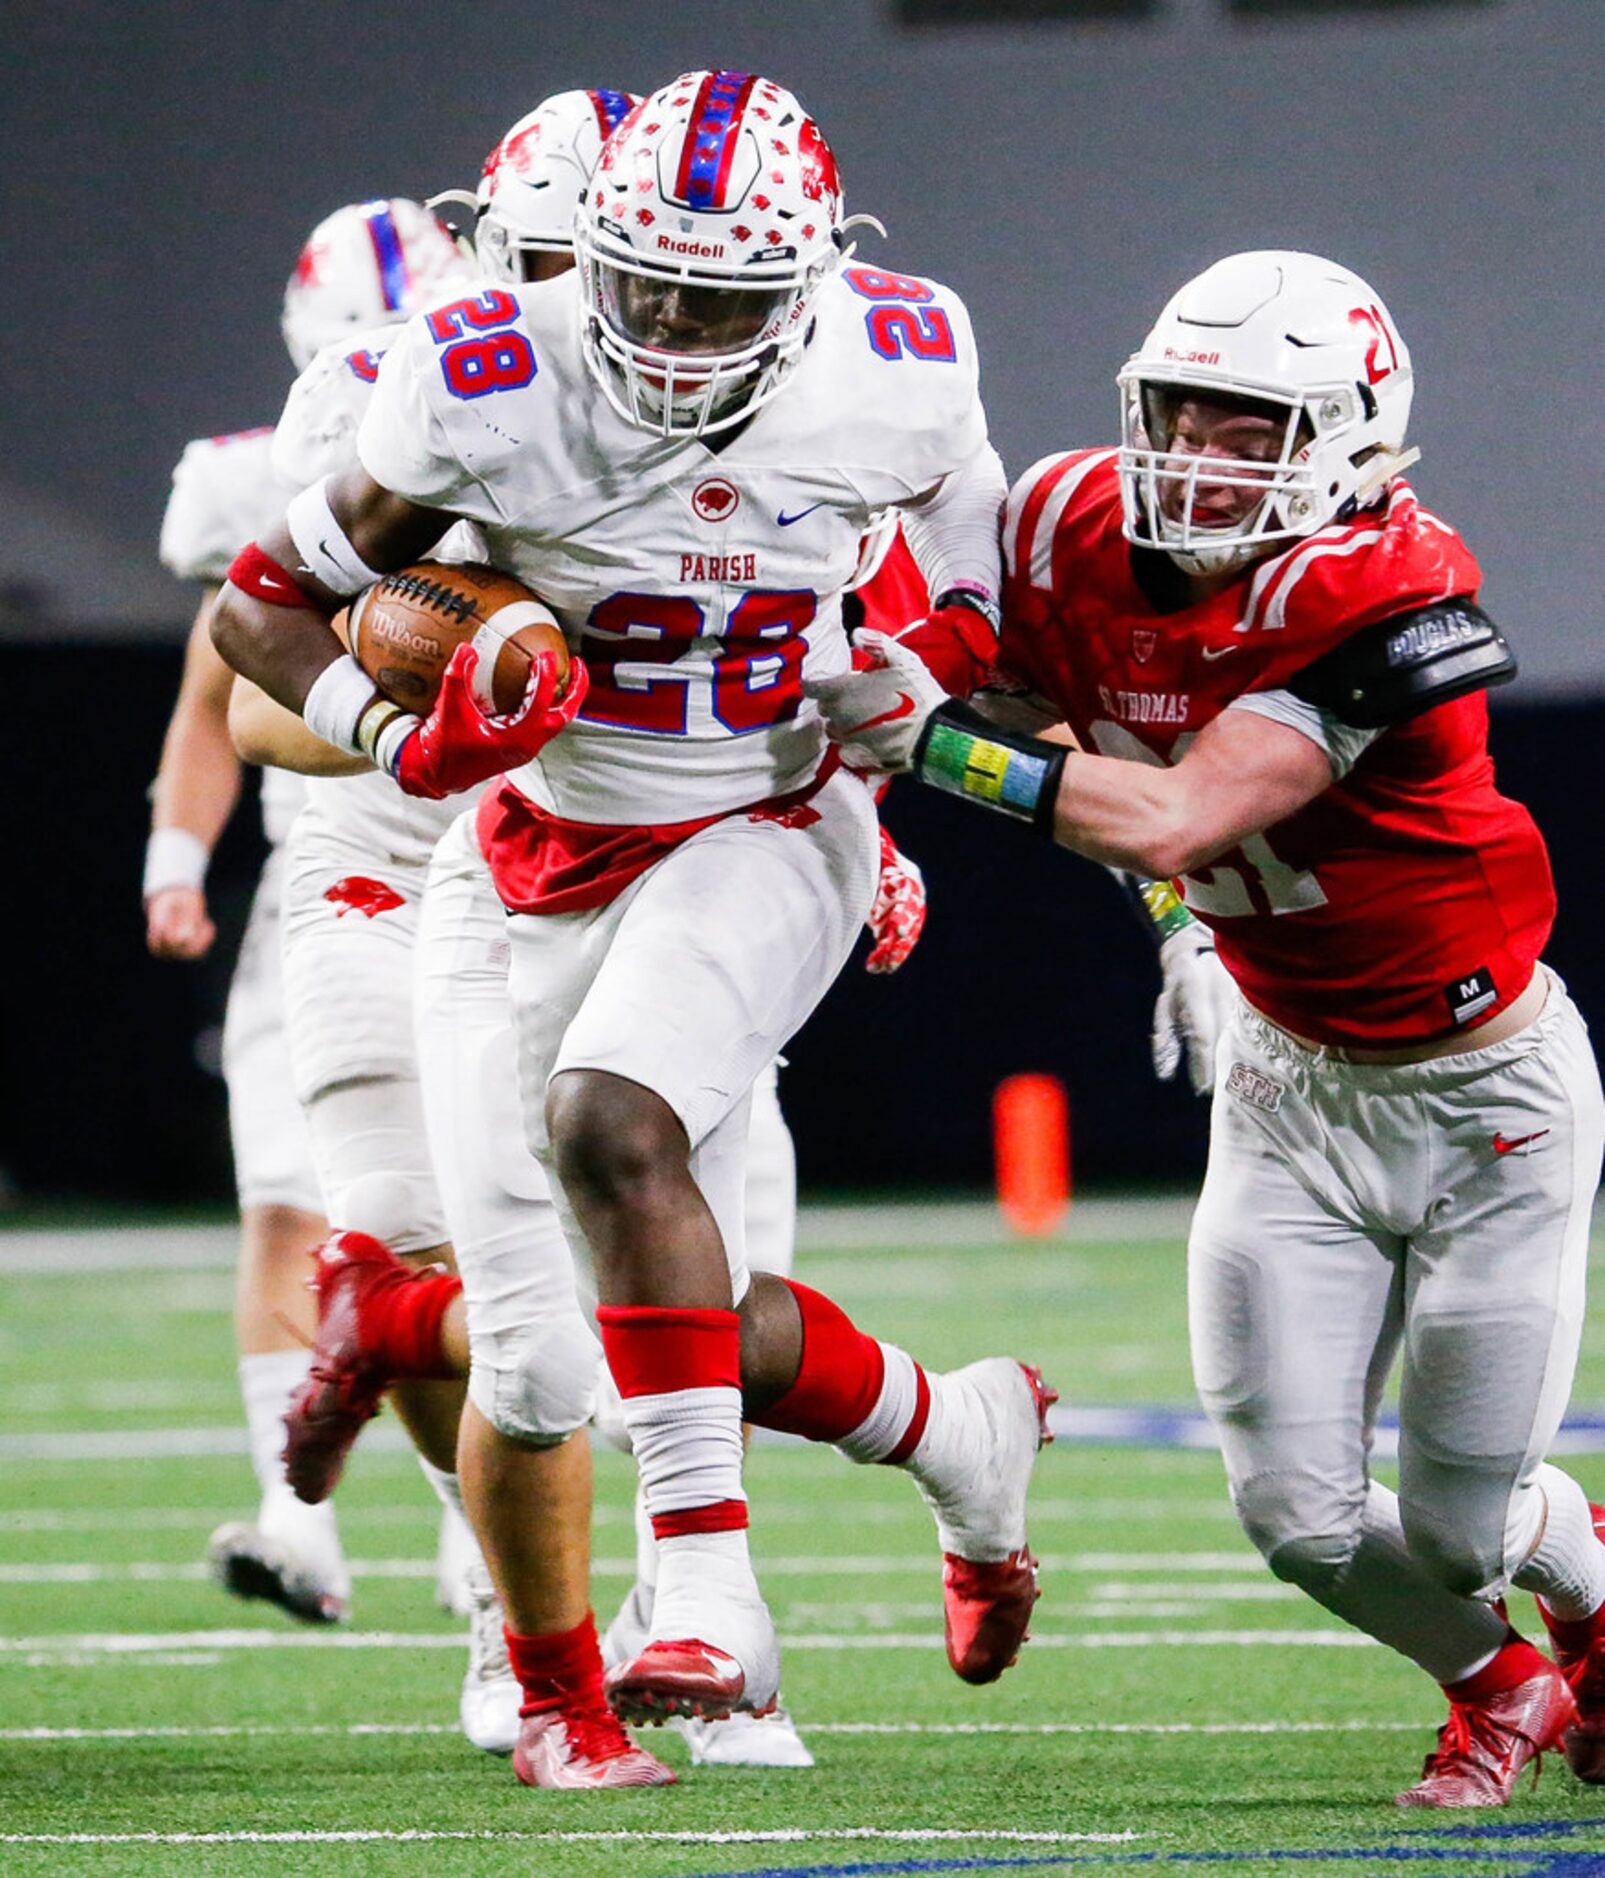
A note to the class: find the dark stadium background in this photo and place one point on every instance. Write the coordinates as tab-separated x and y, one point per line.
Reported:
1064	166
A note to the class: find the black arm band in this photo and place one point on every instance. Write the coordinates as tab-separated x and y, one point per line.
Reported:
1393	671
1015	775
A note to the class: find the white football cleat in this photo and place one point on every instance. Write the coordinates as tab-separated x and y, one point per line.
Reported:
973	1466
713	1650
491	1696
768	1740
251	1563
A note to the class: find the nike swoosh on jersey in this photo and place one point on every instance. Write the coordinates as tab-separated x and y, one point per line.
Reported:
904	705
786	520
1211	653
1503	1145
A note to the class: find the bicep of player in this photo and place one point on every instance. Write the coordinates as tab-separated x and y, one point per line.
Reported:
265	733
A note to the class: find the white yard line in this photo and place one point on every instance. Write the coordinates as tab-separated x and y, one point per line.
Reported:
139	1643
424	1835
936	1730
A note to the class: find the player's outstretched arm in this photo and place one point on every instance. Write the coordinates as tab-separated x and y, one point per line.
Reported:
197	785
1243	774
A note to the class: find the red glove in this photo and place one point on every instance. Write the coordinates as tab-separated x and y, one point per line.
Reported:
458	744
957	645
897	915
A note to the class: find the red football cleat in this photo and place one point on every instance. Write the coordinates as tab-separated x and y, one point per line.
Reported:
686	1677
583	1746
1580	1655
973	1466
342	1393
1485	1744
986	1609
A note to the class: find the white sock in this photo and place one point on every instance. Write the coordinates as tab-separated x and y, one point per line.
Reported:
1567	1566
458	1552
903	1401
267	1382
687	1445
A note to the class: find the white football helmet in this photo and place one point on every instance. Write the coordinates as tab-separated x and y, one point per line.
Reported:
713	216
534	178
1299	337
368	264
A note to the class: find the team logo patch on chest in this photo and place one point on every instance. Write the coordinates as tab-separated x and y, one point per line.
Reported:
1255	1088
1143	641
715	500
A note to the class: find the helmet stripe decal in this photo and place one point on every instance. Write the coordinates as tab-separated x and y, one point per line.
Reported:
710	139
611	107
388	253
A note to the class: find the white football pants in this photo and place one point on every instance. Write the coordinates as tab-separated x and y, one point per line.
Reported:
1350	1212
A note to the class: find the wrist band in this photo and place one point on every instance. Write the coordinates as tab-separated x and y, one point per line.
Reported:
334	707
262	577
325	548
174	858
1163	906
971	594
963	755
385	727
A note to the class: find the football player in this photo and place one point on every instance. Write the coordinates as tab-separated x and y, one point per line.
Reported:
517	1282
1273	658
355	270
680	445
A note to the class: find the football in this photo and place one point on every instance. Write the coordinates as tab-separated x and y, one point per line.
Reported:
404	629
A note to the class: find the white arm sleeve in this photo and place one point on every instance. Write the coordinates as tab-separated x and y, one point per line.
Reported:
953	532
1343	744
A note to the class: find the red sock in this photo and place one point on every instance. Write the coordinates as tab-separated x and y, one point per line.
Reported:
1514	1662
1571	1636
843	1378
399	1315
561	1670
679	1379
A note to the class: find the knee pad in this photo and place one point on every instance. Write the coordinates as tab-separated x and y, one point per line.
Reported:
1454	1547
540	1387
372	1158
401	1209
608	1412
1307	1538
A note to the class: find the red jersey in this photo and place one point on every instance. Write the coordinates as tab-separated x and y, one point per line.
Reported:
1406	901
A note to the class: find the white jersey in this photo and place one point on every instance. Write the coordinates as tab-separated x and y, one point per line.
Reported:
226	491
698	584
316	436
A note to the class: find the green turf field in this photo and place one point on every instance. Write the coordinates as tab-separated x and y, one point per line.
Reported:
1176	1701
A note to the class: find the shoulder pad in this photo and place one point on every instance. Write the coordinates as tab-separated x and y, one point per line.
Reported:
1393	671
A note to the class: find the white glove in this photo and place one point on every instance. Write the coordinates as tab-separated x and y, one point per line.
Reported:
1194	1004
877	712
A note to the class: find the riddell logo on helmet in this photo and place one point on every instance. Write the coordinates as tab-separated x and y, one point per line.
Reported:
1192	358
698	250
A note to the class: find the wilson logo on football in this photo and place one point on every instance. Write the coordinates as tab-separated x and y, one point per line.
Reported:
715	500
